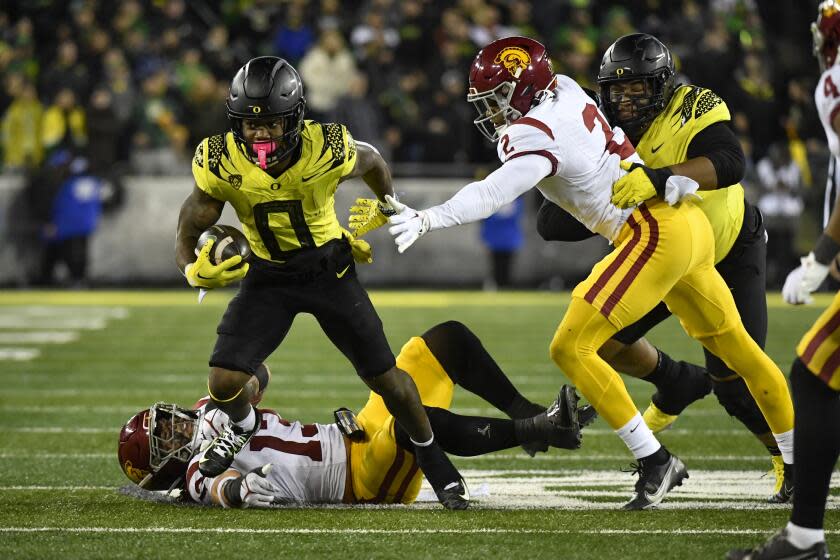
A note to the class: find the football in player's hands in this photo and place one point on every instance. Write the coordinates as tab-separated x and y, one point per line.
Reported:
229	243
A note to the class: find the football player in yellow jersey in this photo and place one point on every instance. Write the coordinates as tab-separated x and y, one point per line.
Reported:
815	373
280	173
685	128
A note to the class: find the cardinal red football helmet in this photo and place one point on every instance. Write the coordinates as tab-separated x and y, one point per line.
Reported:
826	33
505	78
156	445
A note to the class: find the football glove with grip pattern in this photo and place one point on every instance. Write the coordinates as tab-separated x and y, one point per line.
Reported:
250	490
203	274
642	183
369	214
803	280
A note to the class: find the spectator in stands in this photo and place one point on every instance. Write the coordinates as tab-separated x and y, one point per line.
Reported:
21	129
373	35
63	125
294	36
161	139
326	70
361	115
66	71
781	204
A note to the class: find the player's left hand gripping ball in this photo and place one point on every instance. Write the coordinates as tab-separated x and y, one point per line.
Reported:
203	274
407	225
362	253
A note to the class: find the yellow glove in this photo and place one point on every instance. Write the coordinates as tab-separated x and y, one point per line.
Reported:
362	253
202	274
369	214
639	185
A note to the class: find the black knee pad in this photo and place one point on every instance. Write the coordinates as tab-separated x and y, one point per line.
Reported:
736	399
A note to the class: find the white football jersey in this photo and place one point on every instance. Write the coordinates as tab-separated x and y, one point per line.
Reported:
568	129
309	461
827	99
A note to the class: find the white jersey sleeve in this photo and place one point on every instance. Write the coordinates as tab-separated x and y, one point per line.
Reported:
482	199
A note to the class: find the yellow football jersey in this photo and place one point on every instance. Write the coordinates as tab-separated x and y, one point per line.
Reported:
293	212
666	141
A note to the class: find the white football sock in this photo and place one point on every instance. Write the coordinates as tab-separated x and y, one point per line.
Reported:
638	438
785	443
248	422
802	537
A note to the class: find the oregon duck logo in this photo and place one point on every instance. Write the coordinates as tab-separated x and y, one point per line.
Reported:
515	59
235	181
133	473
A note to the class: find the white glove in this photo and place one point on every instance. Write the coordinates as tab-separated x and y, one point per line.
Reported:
408	224
803	280
254	489
678	187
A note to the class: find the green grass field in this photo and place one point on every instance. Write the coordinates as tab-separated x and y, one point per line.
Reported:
75	366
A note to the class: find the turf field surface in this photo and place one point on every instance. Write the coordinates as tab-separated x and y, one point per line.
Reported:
75	366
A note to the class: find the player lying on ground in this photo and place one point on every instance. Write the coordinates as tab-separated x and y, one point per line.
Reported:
683	128
815	373
551	134
319	463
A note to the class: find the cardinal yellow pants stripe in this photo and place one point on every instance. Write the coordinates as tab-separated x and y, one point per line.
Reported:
819	349
662	253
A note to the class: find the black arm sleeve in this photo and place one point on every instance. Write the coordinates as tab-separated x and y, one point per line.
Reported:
718	143
555	224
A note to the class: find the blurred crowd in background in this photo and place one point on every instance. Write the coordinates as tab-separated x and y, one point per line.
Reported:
133	86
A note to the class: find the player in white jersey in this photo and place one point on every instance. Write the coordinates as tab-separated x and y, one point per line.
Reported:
551	135
286	462
815	373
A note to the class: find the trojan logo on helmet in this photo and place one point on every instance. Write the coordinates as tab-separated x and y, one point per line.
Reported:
826	33
505	78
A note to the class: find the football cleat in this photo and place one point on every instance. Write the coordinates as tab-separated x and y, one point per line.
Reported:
454	495
778	547
446	481
783	491
657	420
558	425
655	481
218	456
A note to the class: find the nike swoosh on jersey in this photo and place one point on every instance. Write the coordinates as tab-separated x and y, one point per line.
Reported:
343	272
656	149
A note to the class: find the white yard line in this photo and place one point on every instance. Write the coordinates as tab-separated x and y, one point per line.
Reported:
38	337
19	354
305	531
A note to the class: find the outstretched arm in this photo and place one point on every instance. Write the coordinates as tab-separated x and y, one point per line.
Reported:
475	201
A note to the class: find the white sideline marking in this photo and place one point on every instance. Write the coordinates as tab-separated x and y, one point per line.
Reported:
19	354
305	531
64	311
38	337
68	322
